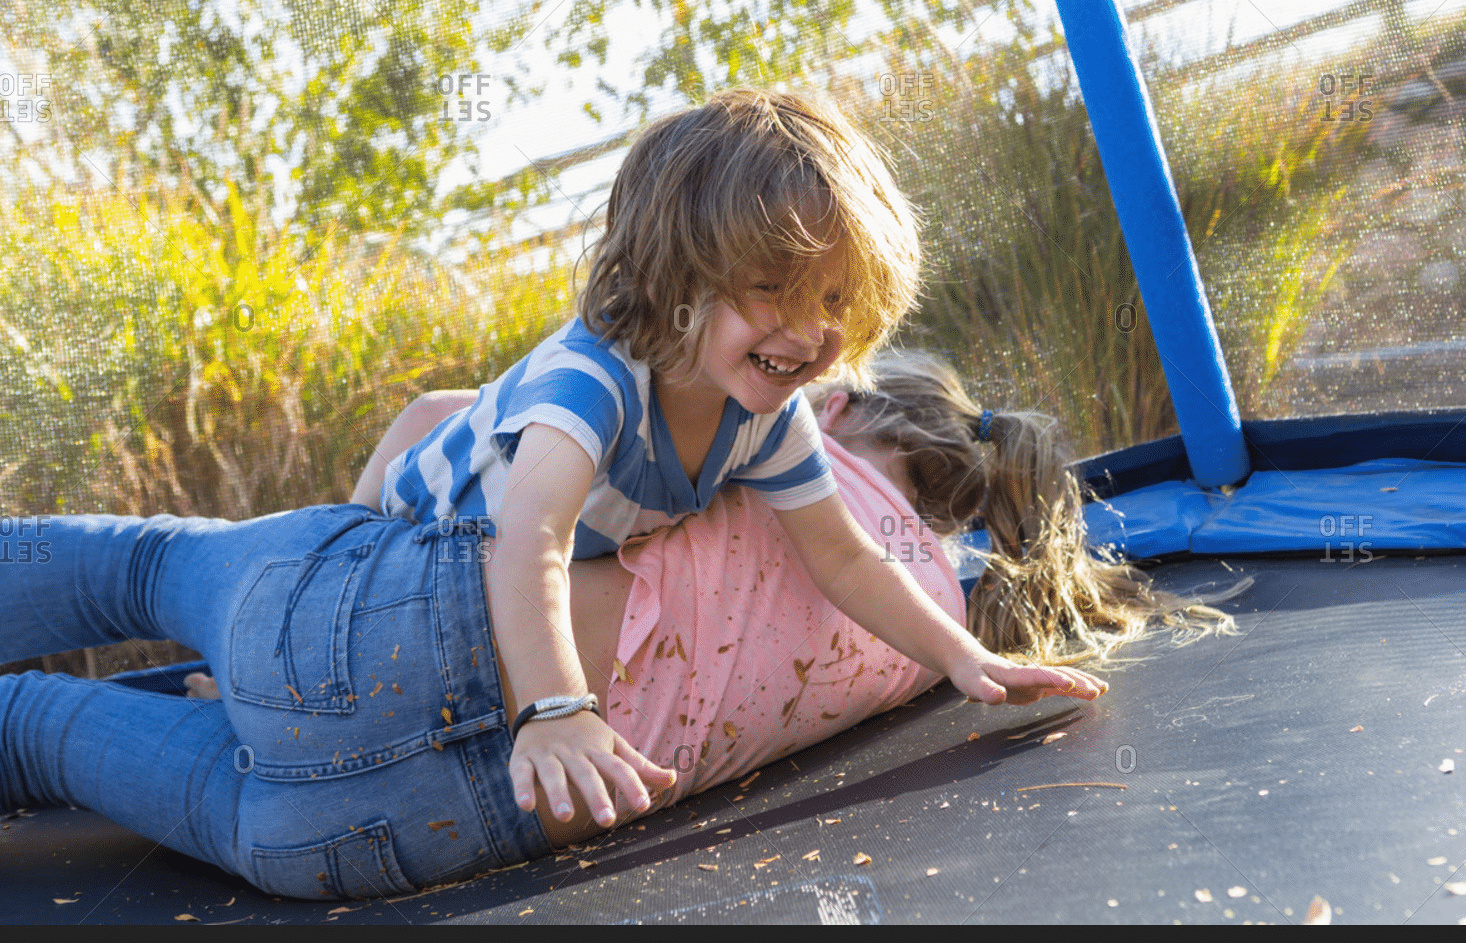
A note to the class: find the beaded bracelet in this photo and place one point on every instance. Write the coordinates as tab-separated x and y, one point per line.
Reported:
552	708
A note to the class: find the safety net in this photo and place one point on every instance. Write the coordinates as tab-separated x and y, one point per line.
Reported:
239	236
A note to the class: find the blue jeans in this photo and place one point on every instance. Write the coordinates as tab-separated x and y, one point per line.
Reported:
360	746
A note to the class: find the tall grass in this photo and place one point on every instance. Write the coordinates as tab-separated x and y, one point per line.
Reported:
162	351
1031	287
1272	203
166	356
189	359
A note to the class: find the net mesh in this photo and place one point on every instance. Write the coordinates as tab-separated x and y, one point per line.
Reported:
239	237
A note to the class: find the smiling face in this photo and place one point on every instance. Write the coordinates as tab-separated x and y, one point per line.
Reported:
758	358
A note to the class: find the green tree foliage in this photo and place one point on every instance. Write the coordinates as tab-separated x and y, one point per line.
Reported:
708	45
330	116
216	293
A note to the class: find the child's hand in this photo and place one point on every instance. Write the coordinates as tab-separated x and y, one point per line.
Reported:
582	750
848	566
996	680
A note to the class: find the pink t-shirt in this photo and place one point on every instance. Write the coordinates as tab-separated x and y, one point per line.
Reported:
732	658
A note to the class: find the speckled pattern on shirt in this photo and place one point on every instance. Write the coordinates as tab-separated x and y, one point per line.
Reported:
732	658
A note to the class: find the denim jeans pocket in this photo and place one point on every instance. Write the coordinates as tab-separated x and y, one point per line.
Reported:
361	863
289	641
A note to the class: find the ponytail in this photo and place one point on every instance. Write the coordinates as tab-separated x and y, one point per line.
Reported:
1045	595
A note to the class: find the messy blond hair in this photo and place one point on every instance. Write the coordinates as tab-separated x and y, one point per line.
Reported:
1044	595
760	181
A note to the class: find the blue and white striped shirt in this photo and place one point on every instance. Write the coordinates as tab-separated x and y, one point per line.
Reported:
591	389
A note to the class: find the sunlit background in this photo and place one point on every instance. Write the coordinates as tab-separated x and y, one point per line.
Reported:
239	236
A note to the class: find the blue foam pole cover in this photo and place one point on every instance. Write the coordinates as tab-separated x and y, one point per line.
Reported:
1155	233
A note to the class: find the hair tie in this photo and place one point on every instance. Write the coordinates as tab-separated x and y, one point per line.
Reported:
985	426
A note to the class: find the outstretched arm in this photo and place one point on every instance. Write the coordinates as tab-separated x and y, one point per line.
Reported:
878	593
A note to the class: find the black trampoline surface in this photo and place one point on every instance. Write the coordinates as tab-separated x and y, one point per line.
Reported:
1231	781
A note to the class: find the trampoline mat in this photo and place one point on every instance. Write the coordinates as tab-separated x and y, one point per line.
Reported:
1230	780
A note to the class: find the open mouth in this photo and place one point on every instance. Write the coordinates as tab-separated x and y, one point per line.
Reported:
776	366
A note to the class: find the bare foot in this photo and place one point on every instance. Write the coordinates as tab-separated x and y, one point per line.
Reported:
201	685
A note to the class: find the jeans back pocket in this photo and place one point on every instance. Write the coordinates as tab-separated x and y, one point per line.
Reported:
361	863
288	644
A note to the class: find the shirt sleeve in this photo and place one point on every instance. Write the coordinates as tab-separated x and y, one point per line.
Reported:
580	399
428	481
461	468
791	470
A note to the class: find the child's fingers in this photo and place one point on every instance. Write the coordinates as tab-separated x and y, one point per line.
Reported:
582	755
635	776
531	767
987	690
630	775
1002	681
1031	683
590	778
522	775
650	773
1058	681
1075	683
557	777
626	781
